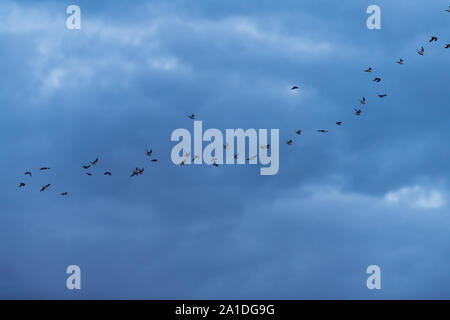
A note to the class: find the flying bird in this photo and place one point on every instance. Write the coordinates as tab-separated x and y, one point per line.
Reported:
363	101
294	88
94	162
368	70
154	160
382	95
28	173
89	174
433	38
448	10
192	116
400	61
86	167
107	173
21	185
252	158
339	123
447	46
289	142
64	194
44	168
215	164
421	51
358	112
45	187
322	131
137	172
267	146
299	132
377	79
226	146
236	155
148	152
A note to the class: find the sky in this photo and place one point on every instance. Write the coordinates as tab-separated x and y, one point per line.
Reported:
373	191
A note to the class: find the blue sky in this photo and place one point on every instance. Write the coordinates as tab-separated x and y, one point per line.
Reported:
374	191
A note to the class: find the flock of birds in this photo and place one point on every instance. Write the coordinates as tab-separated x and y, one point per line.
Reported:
139	171
358	111
135	172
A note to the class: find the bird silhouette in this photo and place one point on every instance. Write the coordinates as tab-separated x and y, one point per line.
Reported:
382	95
400	61
447	46
64	194
192	116
94	162
148	152
86	167
107	173
28	173
154	160
433	38
363	101
322	131
89	174
44	168
294	88
377	79
21	185
358	112
421	51
339	123
45	187
299	132
252	158
267	146
289	142
448	10
215	164
368	70
236	155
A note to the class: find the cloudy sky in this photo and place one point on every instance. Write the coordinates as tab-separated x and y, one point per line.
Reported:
373	191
